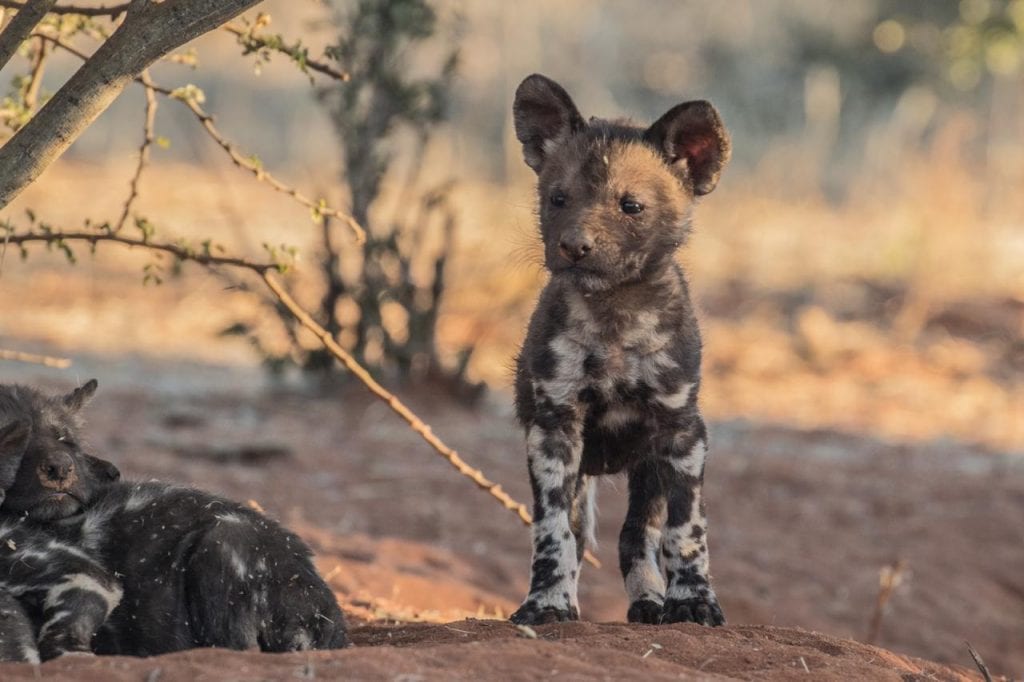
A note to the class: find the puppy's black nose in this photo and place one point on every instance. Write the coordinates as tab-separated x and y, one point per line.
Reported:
57	472
575	247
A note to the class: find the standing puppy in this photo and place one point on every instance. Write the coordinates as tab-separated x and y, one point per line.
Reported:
608	376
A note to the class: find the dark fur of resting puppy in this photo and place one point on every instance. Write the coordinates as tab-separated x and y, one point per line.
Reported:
190	569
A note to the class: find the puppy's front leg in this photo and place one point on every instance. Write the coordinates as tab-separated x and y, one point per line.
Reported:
554	445
684	544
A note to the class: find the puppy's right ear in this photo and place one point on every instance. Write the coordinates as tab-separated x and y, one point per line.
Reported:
544	116
75	400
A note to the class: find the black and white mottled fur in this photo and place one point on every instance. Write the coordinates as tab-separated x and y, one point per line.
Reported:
184	568
608	376
198	571
53	595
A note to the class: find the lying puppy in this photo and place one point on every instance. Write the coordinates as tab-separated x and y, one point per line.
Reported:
195	569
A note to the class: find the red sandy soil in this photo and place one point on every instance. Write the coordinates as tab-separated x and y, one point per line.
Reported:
801	525
494	650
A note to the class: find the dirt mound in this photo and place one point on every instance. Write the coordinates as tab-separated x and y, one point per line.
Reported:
477	649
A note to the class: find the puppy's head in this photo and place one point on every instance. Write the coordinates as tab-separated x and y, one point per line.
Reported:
615	198
44	471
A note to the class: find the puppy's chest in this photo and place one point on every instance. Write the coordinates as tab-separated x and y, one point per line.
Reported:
595	366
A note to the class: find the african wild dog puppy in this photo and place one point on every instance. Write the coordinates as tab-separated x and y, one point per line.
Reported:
195	569
53	596
608	375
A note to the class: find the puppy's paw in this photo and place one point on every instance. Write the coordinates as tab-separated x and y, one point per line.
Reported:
703	610
645	611
532	614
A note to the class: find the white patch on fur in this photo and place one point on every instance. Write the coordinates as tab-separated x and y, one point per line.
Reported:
683	551
80	581
54	619
229	517
30	654
569	356
55	546
679	399
650	368
93	528
691	464
238	563
644	579
643	334
590	515
139	498
549	145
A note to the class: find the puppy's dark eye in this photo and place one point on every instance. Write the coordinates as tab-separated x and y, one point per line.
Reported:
558	199
631	206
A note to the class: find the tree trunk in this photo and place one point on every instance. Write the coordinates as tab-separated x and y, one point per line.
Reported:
149	31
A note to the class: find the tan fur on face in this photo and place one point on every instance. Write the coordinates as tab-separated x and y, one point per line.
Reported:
636	170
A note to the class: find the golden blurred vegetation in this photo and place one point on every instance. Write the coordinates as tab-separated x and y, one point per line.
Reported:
859	267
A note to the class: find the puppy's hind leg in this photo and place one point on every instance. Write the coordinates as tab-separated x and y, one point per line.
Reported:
639	542
276	600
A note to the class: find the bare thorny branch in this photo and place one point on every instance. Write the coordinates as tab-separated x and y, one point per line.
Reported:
148	138
191	98
251	39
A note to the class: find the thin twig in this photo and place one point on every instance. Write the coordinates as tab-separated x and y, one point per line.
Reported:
979	662
889	578
147	142
179	251
31	96
254	167
33	358
239	159
399	408
252	41
112	11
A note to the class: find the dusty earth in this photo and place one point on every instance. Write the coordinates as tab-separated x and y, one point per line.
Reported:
802	524
493	650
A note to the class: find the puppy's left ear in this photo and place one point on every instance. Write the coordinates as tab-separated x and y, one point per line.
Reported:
694	141
77	399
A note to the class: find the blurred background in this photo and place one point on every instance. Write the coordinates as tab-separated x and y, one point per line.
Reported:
859	270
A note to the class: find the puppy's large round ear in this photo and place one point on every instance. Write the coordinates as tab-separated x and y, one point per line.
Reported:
75	400
694	141
544	116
